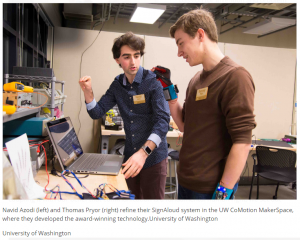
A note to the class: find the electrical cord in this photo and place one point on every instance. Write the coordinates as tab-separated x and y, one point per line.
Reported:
39	142
74	190
70	176
54	172
80	76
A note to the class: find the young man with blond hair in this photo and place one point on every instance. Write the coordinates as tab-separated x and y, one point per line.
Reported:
145	114
217	116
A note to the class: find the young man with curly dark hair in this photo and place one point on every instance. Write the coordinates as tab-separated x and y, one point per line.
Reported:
146	117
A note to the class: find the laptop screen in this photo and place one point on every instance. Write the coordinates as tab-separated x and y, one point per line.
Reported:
64	138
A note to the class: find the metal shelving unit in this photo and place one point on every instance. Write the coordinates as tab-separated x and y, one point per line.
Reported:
19	114
50	80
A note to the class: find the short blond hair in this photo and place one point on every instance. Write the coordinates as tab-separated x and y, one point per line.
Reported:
191	21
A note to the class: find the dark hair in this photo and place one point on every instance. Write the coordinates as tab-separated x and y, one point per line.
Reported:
129	39
193	20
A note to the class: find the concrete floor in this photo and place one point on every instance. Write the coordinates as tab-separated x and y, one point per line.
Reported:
265	192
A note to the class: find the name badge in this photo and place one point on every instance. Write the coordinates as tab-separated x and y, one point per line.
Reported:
201	94
138	99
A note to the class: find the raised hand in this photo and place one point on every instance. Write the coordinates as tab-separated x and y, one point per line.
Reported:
164	76
86	86
86	83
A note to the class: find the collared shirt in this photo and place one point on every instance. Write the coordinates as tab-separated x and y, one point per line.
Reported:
142	122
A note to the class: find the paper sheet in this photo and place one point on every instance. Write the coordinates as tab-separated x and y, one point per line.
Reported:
19	154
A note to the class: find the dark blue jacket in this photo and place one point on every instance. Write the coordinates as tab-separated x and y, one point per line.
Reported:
149	120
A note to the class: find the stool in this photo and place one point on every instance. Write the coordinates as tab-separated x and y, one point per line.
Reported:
172	159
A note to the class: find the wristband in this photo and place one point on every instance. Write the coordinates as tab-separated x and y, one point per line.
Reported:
222	193
170	92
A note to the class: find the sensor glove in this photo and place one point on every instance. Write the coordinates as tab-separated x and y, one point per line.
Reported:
164	76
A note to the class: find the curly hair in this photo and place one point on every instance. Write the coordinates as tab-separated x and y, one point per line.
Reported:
129	39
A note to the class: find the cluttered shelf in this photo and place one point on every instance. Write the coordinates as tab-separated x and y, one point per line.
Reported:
106	132
17	95
42	178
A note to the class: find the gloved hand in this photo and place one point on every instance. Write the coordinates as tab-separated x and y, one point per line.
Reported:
164	76
222	193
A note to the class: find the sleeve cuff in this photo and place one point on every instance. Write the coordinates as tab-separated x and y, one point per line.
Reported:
91	105
242	137
155	138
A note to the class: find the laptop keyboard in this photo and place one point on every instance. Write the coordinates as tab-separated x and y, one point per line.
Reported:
90	162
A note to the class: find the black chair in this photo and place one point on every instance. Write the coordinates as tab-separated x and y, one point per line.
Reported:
274	164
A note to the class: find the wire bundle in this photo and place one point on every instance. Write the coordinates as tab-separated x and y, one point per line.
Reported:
116	194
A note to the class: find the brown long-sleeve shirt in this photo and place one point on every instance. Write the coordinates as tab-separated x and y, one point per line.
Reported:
214	119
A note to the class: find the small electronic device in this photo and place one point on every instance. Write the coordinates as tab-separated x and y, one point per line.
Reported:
33	71
12	101
24	99
113	120
147	150
221	193
16	95
17	87
71	156
170	91
35	126
37	156
17	99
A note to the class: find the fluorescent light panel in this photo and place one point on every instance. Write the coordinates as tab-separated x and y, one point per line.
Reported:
270	25
147	13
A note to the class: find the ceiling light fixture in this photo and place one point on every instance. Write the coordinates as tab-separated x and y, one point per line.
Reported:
147	13
270	25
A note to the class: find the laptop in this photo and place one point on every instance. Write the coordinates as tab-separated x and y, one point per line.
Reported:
71	156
